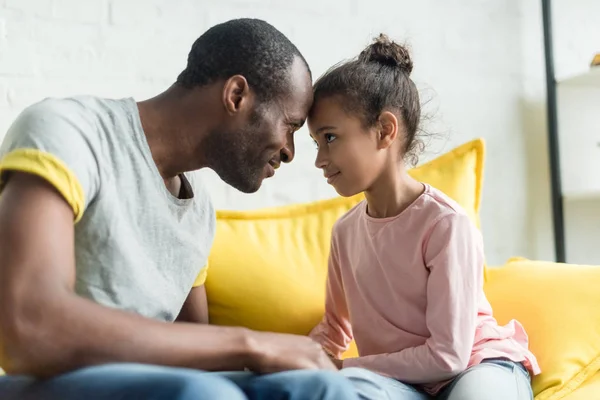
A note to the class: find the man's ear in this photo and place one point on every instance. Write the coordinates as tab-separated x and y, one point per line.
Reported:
236	94
388	129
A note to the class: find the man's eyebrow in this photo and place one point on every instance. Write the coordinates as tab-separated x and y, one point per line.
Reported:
298	123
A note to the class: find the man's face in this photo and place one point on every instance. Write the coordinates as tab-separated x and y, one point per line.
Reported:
252	147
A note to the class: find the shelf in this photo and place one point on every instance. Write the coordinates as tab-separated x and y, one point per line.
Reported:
579	196
590	78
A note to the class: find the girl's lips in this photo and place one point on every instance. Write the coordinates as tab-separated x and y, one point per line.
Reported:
331	178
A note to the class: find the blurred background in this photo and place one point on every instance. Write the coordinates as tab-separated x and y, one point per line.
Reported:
479	64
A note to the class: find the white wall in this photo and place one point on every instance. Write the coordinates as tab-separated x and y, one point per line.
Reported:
480	62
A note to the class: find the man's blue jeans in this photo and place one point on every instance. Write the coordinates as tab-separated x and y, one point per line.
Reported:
146	382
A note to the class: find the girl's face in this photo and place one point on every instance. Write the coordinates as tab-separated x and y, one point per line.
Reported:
350	155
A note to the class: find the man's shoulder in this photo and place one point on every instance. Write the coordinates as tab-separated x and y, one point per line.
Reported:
72	104
78	113
66	137
69	124
76	108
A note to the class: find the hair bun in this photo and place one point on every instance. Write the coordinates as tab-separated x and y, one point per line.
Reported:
387	52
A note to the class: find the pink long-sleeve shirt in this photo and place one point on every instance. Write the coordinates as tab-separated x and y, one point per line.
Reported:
409	290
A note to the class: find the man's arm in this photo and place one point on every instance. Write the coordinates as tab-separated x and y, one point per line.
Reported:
195	308
46	329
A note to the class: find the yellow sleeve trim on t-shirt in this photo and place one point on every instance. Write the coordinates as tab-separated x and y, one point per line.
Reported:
201	278
50	168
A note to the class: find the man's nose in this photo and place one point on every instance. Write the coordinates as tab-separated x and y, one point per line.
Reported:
288	151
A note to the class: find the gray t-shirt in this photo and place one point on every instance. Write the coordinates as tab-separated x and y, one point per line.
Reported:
137	247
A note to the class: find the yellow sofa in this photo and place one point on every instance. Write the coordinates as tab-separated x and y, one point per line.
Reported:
268	267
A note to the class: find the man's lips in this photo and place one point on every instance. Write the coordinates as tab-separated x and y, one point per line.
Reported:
272	165
270	170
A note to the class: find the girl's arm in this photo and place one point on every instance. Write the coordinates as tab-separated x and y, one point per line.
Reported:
334	332
454	256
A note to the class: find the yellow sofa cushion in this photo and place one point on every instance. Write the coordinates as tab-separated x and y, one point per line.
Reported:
268	267
589	390
559	306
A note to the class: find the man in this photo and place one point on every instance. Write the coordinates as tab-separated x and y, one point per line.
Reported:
104	233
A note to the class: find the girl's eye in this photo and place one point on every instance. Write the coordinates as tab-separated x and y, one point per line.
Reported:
329	137
316	143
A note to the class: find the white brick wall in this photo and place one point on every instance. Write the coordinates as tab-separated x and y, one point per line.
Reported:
470	57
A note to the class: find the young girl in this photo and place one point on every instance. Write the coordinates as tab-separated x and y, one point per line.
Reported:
406	265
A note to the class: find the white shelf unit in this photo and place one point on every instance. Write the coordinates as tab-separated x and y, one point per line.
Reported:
578	100
578	111
589	78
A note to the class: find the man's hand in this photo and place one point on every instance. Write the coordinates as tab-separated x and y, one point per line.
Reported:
338	363
267	352
274	352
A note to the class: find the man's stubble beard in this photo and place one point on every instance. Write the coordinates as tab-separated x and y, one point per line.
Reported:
235	158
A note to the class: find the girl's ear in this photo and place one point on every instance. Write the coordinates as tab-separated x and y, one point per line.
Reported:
388	129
